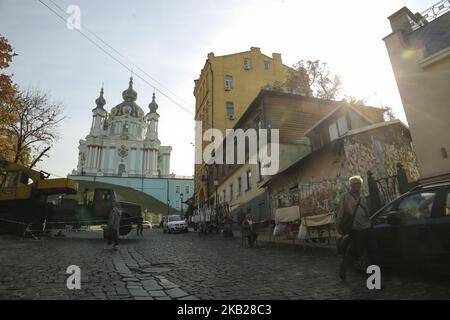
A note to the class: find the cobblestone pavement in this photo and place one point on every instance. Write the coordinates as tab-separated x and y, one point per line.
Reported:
187	266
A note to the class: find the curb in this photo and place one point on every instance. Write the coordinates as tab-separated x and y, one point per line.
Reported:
301	246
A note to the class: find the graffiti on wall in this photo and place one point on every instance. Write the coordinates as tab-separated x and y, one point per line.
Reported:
362	153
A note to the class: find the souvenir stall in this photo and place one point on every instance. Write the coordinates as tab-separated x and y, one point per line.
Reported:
318	228
287	222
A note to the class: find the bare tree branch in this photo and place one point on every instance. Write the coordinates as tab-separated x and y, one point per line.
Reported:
38	158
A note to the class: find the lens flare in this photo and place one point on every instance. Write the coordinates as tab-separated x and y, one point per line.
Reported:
408	53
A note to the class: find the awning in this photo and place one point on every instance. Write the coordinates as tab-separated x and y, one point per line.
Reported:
288	214
319	220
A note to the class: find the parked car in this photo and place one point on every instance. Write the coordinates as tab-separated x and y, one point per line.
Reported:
175	223
147	225
414	230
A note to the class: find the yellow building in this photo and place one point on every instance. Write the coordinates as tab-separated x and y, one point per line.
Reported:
226	87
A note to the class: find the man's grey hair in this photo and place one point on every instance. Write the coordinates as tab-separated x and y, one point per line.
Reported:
355	178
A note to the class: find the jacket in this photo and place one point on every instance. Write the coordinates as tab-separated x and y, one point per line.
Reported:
347	205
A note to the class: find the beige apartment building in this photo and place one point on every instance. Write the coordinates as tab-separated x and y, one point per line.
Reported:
226	87
419	49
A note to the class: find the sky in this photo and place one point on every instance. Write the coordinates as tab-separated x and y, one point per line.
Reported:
170	40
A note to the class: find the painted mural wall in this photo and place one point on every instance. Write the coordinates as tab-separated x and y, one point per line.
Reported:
378	151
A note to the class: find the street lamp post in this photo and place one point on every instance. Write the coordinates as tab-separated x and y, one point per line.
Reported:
216	184
181	195
168	206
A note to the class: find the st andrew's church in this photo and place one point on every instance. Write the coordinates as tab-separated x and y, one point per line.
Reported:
125	141
123	148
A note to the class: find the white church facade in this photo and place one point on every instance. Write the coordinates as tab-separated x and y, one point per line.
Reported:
124	142
123	148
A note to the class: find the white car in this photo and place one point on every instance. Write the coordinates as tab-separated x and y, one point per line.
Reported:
147	225
174	224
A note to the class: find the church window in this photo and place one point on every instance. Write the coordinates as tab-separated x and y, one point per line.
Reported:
125	127
121	169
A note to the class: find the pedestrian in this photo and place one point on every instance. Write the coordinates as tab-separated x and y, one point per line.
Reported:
353	223
248	230
114	225
140	226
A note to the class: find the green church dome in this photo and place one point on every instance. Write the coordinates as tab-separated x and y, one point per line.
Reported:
128	107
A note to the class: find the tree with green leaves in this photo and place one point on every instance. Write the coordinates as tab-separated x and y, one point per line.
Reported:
310	78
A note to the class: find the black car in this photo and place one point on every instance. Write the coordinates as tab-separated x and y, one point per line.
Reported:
414	230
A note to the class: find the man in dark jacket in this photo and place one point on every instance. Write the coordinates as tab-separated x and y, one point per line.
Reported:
140	226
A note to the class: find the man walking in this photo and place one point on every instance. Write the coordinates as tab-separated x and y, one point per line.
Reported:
248	230
352	220
140	226
114	225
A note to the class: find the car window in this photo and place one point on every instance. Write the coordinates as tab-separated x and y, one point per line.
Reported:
175	218
382	217
417	205
447	205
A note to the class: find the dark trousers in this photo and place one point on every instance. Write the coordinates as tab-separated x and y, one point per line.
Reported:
113	236
139	229
360	243
252	237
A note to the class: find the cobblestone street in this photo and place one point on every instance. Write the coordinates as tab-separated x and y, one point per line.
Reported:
186	266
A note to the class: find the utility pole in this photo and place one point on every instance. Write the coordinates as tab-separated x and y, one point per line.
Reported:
181	195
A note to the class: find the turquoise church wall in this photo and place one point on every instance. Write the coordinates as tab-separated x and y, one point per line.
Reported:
159	188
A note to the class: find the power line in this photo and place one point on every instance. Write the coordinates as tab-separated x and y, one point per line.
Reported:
117	60
124	57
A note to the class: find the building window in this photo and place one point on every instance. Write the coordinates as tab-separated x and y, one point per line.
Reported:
177	189
342	125
228	83
333	131
125	127
239	186
246	64
230	110
187	189
266	65
249	178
